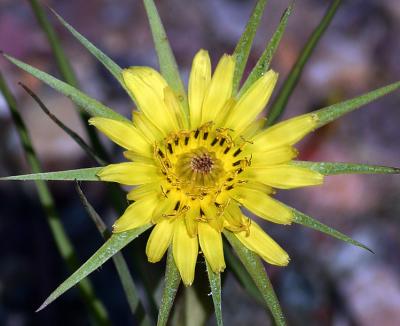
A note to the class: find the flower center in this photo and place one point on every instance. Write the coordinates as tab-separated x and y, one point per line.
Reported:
202	162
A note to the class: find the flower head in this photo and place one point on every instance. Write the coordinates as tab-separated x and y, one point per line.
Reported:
194	173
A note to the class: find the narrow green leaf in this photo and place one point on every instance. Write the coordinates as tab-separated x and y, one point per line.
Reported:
125	276
335	111
168	66
113	245
236	267
243	47
87	174
279	104
215	285
107	62
93	107
172	281
79	140
332	168
257	271
61	239
312	223
264	61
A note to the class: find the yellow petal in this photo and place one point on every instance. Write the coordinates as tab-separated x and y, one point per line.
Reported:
148	86
143	191
136	215
285	176
220	89
262	205
275	156
147	128
234	219
253	128
175	106
185	251
263	245
164	208
130	173
211	245
191	220
159	240
284	133
252	102
199	81
123	133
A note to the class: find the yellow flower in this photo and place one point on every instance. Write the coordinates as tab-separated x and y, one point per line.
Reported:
194	174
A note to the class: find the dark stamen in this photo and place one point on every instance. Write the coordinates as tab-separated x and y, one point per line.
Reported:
237	152
227	150
214	142
170	148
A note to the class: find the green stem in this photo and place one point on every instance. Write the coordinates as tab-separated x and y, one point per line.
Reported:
279	104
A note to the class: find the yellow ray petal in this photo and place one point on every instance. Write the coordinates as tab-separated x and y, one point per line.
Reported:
136	215
234	219
124	134
147	128
191	220
262	205
275	156
143	191
199	81
220	89
130	173
252	102
253	128
287	132
185	251
175	106
159	240
285	176
211	245
148	86
263	245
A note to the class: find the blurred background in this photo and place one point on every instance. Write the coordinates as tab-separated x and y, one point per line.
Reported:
327	282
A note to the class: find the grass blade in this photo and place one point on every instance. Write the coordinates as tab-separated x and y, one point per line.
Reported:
87	174
92	106
168	66
82	144
172	281
335	111
332	168
125	276
215	285
257	271
243	47
113	245
312	223
264	62
279	104
63	243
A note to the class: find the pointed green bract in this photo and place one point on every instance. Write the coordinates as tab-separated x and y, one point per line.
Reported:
168	67
113	245
235	266
243	47
332	168
257	271
107	62
91	106
87	174
264	61
215	285
312	223
279	104
335	111
125	276
172	280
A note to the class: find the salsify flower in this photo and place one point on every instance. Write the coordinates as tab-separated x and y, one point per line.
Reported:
197	175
